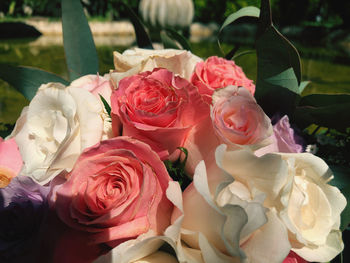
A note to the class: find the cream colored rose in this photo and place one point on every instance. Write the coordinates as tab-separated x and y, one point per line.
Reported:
229	224
134	61
311	208
297	189
59	123
97	85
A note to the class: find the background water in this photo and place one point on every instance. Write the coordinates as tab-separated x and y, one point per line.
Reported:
326	76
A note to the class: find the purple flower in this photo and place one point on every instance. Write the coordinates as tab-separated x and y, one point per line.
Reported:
286	139
23	208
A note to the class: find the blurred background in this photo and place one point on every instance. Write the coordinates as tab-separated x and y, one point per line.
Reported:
30	34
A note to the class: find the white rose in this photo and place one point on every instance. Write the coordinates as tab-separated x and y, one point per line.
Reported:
134	61
297	189
231	226
59	123
311	208
158	257
96	84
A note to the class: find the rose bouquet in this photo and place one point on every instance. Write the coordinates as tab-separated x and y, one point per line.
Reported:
168	158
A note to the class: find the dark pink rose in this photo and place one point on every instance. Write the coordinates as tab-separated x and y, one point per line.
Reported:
10	161
216	73
158	108
116	192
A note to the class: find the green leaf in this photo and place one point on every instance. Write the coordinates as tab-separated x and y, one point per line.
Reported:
345	215
326	110
277	58
232	53
245	11
285	79
341	176
265	17
303	85
246	52
176	169
142	38
106	105
250	11
27	80
179	38
321	100
167	41
79	46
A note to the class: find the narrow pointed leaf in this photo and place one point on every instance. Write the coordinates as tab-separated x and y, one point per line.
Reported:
232	53
27	80
167	41
106	105
142	38
79	46
179	38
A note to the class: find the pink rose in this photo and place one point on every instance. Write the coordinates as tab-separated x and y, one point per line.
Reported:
294	258
158	108
216	73
116	191
96	84
236	120
10	161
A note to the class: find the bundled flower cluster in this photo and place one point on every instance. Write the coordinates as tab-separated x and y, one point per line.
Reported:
87	185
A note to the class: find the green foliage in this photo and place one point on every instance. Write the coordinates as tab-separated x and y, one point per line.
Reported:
326	110
279	69
106	105
79	46
167	41
345	216
177	169
26	79
211	10
142	38
249	11
179	38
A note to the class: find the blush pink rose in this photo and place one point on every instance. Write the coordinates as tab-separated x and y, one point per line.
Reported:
116	192
10	161
236	120
294	258
158	108
216	73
